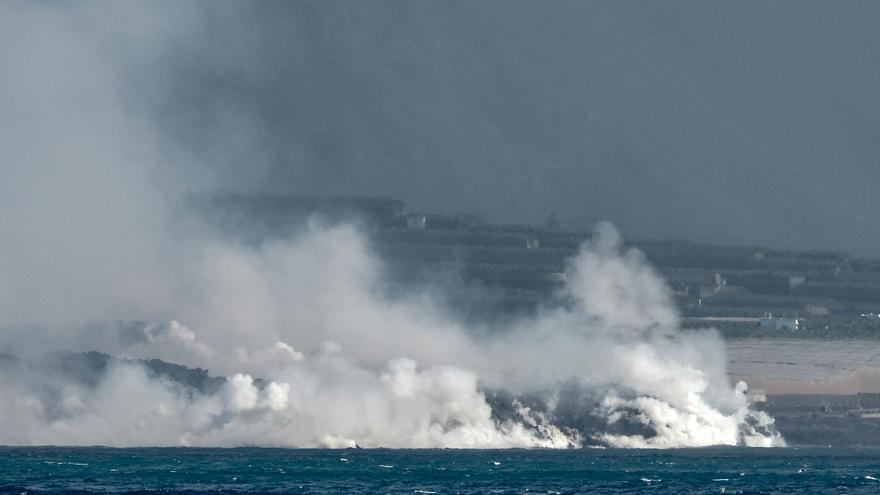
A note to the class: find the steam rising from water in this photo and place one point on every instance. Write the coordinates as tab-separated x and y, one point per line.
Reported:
314	350
340	364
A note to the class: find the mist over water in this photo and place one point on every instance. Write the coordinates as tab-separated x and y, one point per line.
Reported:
95	255
317	356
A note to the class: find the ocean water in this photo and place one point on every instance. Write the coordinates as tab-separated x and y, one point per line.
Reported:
247	470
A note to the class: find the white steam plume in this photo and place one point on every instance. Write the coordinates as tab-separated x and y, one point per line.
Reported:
315	353
342	365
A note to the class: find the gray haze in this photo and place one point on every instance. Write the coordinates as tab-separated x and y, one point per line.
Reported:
746	122
112	110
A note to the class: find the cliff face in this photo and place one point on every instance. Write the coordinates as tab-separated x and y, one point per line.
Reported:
89	368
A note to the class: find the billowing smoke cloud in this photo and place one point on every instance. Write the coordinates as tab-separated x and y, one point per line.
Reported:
316	355
304	344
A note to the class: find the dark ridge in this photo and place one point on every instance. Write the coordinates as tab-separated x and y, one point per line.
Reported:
196	378
496	271
89	367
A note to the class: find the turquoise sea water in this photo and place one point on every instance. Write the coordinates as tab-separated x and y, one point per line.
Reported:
185	470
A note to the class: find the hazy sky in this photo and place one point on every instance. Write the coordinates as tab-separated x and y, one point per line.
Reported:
750	124
746	122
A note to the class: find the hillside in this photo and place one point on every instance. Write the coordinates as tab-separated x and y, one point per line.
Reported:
518	267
